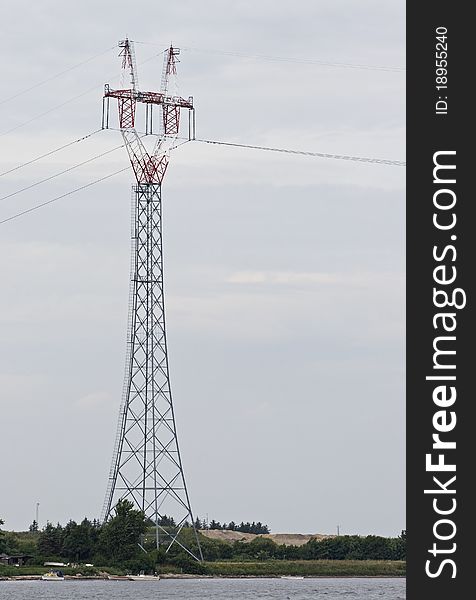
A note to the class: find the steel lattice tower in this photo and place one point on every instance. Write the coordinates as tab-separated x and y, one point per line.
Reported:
146	466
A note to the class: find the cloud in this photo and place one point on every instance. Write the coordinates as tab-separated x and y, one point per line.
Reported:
94	400
309	278
284	274
250	277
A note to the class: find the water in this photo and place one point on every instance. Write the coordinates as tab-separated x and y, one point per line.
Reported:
203	589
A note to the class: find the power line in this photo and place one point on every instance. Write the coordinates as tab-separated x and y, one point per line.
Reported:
308	61
178	145
214	142
223	52
365	159
50	110
381	161
76	166
61	172
40	83
372	160
33	160
87	185
78	189
47	112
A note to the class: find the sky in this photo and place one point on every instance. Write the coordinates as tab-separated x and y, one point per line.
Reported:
284	274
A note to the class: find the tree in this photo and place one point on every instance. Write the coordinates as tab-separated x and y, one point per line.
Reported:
2	537
260	528
79	540
263	548
50	541
33	526
400	546
376	548
120	537
166	521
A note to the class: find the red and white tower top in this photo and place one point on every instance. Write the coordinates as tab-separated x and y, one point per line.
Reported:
149	168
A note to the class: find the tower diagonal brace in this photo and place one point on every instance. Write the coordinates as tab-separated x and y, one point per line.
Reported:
147	466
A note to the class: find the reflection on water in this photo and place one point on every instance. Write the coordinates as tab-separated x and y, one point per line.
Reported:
203	589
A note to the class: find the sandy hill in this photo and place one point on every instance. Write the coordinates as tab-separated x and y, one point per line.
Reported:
288	539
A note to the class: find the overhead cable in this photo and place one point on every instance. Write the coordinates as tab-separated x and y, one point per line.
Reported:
84	162
308	61
365	159
381	161
215	142
47	112
40	83
50	110
78	189
33	160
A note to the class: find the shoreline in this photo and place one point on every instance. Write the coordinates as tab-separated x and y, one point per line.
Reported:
194	576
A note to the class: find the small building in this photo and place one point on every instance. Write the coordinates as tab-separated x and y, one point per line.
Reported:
14	560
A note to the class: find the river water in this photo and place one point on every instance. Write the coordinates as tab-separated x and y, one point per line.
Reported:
203	589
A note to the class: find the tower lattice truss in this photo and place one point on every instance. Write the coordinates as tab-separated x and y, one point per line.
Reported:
147	467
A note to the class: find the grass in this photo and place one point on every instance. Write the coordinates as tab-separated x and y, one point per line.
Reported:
310	568
10	571
265	568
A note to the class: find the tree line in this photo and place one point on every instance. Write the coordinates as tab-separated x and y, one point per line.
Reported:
345	547
256	528
127	541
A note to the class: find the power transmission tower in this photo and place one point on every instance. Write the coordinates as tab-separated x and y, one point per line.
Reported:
146	466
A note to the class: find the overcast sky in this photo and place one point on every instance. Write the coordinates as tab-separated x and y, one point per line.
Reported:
284	274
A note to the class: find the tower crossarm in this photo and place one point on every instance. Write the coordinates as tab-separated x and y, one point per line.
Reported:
149	97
